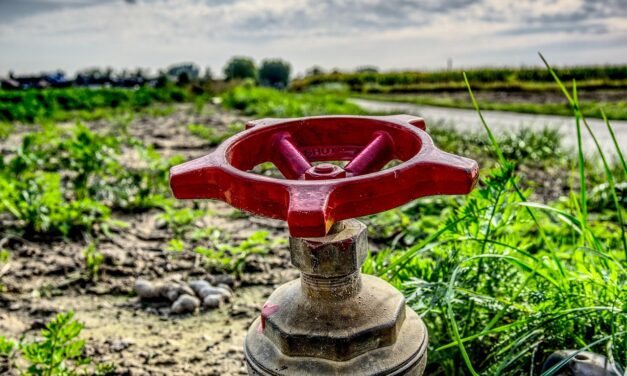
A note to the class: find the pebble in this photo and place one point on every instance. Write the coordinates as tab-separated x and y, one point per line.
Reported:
210	290
212	301
198	285
186	297
172	291
224	279
146	289
119	345
226	287
185	304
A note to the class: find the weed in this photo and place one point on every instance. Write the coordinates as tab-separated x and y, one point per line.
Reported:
175	245
93	261
180	220
4	256
232	258
65	104
500	278
59	352
5	130
66	181
270	102
212	135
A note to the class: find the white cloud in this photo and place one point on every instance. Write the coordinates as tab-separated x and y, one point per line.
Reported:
71	34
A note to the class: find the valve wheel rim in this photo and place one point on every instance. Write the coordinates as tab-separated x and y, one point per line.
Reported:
312	206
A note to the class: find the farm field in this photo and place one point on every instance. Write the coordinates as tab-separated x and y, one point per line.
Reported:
531	262
524	90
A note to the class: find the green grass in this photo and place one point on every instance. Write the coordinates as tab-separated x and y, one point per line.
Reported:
66	181
34	105
519	79
502	281
58	352
613	110
213	136
262	102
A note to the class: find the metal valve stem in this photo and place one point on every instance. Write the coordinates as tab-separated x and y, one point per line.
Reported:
334	320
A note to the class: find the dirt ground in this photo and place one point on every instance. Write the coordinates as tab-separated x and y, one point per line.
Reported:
43	278
46	277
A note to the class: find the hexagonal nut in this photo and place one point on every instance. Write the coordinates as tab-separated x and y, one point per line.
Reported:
340	253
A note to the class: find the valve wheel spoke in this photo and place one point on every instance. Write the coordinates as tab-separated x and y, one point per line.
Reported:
373	157
288	158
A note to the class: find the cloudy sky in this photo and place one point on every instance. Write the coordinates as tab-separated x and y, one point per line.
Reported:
38	35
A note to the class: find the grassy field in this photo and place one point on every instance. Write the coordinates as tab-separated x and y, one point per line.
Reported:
530	79
502	277
526	90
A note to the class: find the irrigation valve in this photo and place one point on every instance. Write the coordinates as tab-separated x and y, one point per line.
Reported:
333	320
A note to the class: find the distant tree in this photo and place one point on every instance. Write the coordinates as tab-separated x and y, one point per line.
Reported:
367	69
240	68
275	73
162	79
315	71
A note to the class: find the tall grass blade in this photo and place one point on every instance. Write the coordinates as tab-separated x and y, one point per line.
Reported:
574	101
519	193
618	151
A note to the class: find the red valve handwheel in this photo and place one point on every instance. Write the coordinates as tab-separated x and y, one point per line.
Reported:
313	197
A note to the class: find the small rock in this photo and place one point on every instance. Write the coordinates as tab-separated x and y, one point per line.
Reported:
212	301
224	278
210	290
146	289
170	292
173	291
226	287
198	285
228	295
160	223
119	345
185	304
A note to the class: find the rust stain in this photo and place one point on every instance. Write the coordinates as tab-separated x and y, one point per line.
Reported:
267	310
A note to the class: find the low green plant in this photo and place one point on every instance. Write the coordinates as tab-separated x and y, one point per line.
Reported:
261	102
59	352
35	105
213	135
502	281
64	181
232	258
5	255
37	201
93	261
180	221
175	245
6	129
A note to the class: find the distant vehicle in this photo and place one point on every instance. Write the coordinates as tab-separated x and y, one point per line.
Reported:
41	81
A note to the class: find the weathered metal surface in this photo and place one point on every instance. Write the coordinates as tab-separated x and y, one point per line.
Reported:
334	320
307	199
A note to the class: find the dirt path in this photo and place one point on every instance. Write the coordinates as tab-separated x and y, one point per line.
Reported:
502	122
